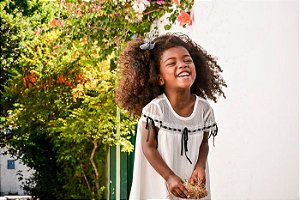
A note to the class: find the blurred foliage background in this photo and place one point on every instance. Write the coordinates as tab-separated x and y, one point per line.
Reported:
58	76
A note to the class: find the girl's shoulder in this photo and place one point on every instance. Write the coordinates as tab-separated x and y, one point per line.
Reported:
157	100
203	103
154	107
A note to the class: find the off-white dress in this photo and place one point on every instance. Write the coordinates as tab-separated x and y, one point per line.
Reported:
147	183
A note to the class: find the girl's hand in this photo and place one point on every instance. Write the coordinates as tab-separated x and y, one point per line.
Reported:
198	176
176	187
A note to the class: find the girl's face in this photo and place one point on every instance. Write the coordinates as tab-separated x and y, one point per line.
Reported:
177	69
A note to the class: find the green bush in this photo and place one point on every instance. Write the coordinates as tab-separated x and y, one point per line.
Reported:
58	82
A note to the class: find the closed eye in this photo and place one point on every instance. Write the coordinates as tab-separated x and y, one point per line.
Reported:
171	64
188	61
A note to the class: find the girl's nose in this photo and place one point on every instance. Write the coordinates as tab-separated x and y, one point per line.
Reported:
182	65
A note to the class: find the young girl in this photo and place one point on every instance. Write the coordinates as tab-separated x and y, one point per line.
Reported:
166	82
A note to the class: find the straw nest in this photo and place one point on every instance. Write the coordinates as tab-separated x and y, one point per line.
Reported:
196	191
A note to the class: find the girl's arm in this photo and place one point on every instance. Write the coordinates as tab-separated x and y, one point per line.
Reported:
198	176
175	184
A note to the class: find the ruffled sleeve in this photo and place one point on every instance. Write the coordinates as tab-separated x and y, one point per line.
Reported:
152	117
152	111
210	124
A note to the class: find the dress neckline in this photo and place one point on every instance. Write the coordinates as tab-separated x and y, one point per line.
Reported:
177	115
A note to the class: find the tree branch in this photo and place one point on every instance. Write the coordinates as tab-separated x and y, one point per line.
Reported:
85	178
94	164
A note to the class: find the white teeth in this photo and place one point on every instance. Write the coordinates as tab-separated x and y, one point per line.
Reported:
183	74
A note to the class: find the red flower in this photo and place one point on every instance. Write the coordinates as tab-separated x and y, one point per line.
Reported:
83	40
177	2
59	23
56	22
53	22
184	18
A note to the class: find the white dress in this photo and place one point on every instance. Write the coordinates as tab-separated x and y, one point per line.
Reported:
147	183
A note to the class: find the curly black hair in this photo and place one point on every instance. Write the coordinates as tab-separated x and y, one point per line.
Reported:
139	70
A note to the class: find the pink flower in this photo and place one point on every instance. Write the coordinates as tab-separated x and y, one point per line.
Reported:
160	2
37	31
184	18
95	7
63	3
56	46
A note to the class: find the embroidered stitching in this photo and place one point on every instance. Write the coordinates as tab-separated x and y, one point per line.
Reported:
180	130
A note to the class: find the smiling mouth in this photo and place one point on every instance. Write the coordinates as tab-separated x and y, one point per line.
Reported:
183	74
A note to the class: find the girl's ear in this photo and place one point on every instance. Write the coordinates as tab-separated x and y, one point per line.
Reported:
161	80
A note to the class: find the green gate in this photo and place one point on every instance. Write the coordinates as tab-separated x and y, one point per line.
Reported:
119	170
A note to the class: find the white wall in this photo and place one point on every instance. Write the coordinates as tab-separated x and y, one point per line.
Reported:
256	42
8	177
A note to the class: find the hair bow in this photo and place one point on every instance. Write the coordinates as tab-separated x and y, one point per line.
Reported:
148	45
